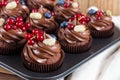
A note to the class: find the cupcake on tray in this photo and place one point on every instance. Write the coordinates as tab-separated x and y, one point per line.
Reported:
14	8
49	4
42	53
74	36
64	9
100	23
43	19
12	33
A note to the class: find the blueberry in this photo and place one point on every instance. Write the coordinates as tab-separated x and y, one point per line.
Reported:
92	11
53	36
62	25
60	2
22	2
66	23
48	15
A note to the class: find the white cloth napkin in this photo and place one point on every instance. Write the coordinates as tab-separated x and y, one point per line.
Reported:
105	66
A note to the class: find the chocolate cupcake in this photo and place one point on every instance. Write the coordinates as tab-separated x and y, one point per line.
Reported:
43	19
64	9
100	23
74	36
12	36
42	53
14	8
49	4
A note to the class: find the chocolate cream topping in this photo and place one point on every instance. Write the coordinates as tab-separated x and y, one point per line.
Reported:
104	23
73	37
41	53
20	10
13	37
63	13
47	24
37	3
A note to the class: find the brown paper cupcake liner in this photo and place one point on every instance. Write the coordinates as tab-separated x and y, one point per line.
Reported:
102	34
76	49
43	67
7	49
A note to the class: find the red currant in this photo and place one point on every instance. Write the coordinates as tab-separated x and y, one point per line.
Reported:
19	19
19	24
14	27
70	26
40	37
31	42
17	1
52	13
7	27
87	19
41	32
23	28
77	15
100	13
27	25
34	10
97	17
71	19
66	5
35	31
10	21
4	3
82	20
28	36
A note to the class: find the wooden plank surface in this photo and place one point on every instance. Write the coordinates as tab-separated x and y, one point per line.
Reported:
112	5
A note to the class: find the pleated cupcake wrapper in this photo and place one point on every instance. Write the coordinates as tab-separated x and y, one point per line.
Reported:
76	49
43	67
102	34
9	50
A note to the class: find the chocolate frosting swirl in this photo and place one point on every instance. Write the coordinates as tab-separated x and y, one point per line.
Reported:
102	24
72	37
41	53
20	10
13	37
37	3
49	25
63	13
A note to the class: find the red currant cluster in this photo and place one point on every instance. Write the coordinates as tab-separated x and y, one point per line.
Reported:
4	2
36	35
15	23
81	18
99	14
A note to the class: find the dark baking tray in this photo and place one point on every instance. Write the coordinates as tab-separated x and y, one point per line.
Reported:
71	61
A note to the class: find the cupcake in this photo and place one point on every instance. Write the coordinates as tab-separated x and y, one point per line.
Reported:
64	9
14	8
12	36
49	4
74	36
42	19
100	23
42	53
